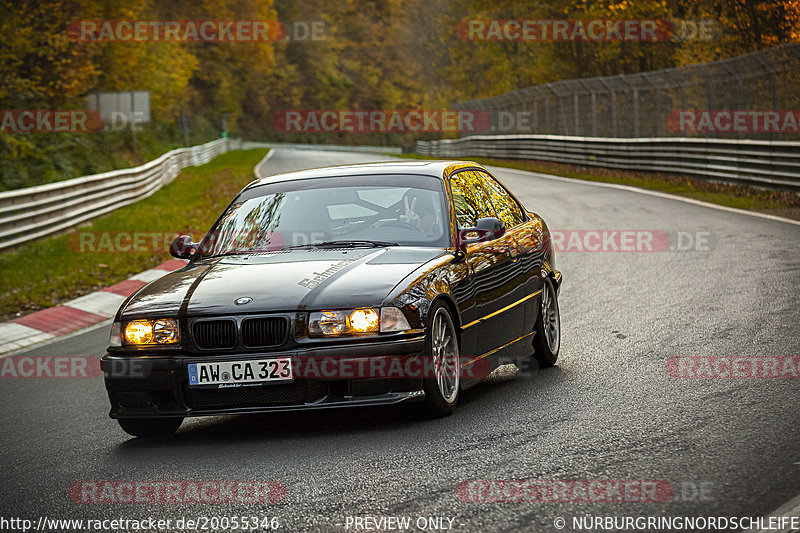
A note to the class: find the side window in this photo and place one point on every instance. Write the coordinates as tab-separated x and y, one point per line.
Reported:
470	199
508	211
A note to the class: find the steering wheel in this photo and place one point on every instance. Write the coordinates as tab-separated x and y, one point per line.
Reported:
399	224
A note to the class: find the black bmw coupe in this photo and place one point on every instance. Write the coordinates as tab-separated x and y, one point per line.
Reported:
357	285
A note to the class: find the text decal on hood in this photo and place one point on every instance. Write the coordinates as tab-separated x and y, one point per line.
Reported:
319	277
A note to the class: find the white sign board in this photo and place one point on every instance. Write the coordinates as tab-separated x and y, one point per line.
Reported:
134	106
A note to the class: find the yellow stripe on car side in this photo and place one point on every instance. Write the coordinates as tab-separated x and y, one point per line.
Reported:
490	352
503	310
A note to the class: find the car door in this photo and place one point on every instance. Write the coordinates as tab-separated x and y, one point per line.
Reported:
528	252
491	266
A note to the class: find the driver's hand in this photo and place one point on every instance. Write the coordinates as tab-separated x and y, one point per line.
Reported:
410	216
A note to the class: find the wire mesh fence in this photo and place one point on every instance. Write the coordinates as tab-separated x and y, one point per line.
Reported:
751	96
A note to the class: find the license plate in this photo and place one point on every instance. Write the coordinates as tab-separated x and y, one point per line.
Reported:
237	373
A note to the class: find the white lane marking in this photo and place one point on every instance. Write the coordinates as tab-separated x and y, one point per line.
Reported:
645	191
264	160
789	509
149	275
53	340
100	303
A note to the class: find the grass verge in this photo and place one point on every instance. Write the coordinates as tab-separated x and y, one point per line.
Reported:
780	203
50	271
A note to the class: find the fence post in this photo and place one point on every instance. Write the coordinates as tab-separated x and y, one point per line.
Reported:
546	115
659	125
613	113
575	109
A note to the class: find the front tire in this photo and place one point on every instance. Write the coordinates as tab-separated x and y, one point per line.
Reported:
441	345
150	428
547	341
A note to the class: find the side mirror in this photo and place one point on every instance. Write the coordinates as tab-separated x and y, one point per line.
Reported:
183	247
487	229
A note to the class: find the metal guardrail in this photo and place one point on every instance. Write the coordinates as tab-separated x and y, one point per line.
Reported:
767	164
34	212
324	147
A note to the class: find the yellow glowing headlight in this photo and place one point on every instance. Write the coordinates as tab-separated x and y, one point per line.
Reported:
364	320
139	332
161	331
346	322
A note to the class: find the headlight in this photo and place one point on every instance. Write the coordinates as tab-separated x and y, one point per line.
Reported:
165	331
161	331
356	321
328	323
364	320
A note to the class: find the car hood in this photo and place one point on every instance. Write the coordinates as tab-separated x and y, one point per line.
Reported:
279	281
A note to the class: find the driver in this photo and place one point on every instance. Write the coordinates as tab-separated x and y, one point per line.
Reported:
419	212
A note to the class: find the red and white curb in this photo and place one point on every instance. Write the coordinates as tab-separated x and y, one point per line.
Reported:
76	314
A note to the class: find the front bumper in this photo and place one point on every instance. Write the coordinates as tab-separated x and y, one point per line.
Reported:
157	385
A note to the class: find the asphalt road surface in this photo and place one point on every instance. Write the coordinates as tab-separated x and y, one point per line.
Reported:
608	411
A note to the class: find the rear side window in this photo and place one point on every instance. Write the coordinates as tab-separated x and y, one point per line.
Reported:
470	200
508	211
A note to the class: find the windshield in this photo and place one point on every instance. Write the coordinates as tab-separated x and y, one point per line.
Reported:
369	211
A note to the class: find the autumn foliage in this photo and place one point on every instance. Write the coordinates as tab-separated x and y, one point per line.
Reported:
373	55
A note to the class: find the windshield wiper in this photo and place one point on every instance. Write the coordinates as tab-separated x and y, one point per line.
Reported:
234	252
242	252
324	244
344	244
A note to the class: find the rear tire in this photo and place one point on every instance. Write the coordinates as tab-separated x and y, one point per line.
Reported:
150	428
547	341
441	345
